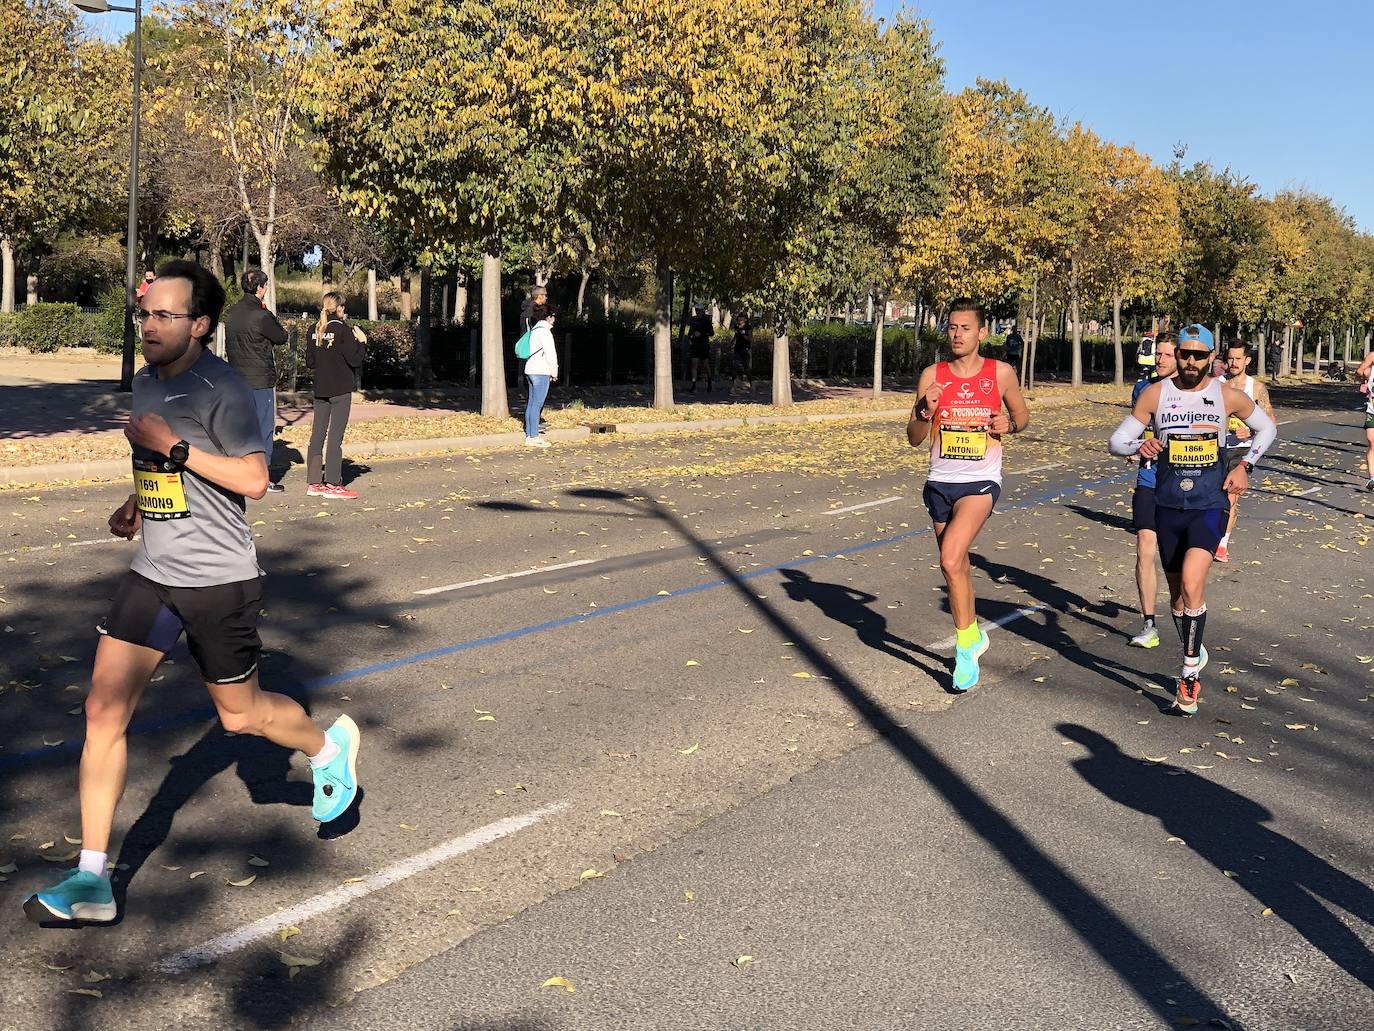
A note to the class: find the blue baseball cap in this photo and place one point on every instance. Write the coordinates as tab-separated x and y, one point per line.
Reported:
1198	332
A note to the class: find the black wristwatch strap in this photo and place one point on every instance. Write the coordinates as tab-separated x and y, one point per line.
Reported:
179	452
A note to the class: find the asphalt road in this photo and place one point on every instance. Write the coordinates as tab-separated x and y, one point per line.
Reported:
701	763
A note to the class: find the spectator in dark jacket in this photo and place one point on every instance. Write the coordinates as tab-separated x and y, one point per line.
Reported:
250	333
335	353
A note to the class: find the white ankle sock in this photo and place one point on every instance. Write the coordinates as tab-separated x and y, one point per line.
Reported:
92	862
327	753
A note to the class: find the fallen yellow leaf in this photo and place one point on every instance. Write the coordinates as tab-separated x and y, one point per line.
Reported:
243	883
689	749
559	982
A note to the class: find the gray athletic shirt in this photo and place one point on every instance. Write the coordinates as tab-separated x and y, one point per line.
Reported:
202	540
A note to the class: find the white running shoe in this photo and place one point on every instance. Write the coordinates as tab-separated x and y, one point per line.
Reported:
1147	638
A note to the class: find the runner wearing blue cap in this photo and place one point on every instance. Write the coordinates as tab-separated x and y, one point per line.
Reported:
1193	490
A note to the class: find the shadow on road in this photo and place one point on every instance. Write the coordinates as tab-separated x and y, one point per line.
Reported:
850	606
1228	831
1157	982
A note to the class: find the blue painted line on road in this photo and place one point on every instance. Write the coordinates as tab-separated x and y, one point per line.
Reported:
204	713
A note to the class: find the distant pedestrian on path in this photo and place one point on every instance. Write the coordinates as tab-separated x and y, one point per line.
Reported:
541	368
744	353
1274	358
336	354
250	334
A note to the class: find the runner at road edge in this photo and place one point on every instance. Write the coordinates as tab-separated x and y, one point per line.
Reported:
960	410
197	452
1192	486
1143	502
1366	373
1238	355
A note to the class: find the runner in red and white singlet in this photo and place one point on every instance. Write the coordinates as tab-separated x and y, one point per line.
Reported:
961	411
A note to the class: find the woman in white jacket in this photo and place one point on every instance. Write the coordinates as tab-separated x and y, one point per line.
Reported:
542	368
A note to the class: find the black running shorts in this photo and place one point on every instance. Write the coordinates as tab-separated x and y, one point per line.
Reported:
220	623
1143	508
1180	530
940	498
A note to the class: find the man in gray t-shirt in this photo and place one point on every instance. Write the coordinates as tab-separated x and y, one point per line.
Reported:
197	454
205	541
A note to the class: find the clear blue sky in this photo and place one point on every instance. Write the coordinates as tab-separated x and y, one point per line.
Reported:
1281	92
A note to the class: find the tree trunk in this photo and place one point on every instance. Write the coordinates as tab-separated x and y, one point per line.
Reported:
881	312
247	232
1076	355
407	306
1262	350
372	295
1116	340
217	262
1286	363
582	291
869	310
1032	332
424	366
606	304
443	303
267	258
31	289
460	300
7	289
663	335
782	365
494	401
1349	336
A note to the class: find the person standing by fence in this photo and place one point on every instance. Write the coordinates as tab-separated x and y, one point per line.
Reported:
541	368
250	334
335	353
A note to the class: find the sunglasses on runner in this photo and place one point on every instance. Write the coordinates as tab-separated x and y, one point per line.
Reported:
1193	356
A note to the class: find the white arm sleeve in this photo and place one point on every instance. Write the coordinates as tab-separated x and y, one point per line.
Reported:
1265	433
1126	439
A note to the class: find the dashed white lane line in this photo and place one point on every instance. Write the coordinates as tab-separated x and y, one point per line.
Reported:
60	545
987	625
866	504
1304	493
506	576
233	941
1035	469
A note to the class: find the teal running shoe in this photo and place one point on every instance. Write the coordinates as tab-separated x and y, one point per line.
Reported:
78	896
336	785
966	662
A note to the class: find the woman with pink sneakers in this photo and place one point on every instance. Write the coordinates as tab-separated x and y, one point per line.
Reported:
335	352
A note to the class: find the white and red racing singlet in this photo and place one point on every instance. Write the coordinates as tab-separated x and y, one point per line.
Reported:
961	448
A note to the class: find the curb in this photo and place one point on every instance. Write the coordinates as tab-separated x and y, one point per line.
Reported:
66	472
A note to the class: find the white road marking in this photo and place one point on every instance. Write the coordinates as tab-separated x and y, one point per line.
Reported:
233	941
1303	494
59	545
506	576
1010	617
866	504
1285	422
1036	469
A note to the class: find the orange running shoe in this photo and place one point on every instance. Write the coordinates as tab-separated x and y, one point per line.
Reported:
1186	698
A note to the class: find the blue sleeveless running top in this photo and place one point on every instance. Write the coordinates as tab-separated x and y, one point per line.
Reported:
1191	469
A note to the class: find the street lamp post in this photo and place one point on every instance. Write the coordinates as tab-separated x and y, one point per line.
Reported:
131	275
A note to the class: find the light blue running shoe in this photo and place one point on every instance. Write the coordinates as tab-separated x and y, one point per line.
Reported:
78	896
966	662
336	785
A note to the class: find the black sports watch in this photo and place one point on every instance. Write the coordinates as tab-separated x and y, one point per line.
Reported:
1249	466
179	452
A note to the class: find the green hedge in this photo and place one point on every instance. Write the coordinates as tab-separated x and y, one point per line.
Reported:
46	328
